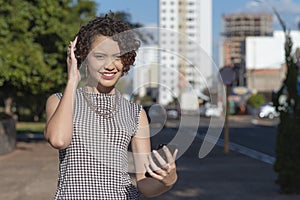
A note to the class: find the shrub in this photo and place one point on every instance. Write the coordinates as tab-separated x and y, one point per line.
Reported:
288	132
288	154
256	100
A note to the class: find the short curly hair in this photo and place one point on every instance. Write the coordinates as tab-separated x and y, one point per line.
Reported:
118	30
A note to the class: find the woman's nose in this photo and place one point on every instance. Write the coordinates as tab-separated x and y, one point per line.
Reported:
110	64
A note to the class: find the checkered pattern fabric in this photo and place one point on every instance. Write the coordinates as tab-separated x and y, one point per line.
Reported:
95	165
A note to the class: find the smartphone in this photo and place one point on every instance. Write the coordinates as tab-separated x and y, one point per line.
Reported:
161	152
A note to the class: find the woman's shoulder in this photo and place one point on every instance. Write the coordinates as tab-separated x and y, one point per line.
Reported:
52	101
130	103
59	95
54	96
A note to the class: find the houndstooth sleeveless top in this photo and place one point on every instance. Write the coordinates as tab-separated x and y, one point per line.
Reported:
95	166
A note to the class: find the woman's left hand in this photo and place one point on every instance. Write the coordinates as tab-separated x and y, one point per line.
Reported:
166	172
73	72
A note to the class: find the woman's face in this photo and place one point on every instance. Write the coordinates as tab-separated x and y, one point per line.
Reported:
104	63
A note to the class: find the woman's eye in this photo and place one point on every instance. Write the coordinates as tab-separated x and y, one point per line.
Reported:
99	57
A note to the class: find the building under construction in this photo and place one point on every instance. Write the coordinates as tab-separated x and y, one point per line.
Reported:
236	27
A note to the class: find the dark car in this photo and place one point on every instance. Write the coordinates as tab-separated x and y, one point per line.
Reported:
155	114
173	112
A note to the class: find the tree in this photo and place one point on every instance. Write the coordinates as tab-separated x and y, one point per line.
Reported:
287	102
34	35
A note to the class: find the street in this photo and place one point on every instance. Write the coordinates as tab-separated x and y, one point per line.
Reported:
244	131
30	172
219	176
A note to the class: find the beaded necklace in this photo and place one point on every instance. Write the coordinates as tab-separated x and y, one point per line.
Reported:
97	108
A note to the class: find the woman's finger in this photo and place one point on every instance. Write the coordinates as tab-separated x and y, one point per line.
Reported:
175	154
161	161
70	54
152	174
75	41
155	168
152	163
168	154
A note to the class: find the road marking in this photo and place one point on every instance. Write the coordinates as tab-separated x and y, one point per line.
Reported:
244	150
30	136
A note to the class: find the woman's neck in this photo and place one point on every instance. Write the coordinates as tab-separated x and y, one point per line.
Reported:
100	89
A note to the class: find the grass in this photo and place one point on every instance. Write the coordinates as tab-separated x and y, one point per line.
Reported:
31	127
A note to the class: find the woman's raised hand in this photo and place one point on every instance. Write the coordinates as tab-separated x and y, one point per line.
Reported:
73	72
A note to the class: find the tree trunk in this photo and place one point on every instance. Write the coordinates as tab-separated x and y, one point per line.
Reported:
8	104
8	108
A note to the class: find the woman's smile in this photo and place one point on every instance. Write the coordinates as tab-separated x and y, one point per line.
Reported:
108	75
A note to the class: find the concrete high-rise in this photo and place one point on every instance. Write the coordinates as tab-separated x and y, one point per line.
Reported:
185	47
236	27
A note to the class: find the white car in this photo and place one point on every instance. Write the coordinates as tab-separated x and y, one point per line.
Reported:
213	111
268	111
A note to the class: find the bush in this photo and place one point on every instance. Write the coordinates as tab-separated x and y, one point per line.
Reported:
256	100
287	163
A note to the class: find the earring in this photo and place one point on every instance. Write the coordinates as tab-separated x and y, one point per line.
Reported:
86	71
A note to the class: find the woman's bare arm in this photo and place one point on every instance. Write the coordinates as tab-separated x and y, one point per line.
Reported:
59	113
160	181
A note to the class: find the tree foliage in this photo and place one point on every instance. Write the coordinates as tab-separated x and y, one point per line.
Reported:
34	35
256	100
287	101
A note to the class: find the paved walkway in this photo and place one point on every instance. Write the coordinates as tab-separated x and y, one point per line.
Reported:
30	173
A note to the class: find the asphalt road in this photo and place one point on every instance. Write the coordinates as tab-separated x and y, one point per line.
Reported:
30	172
247	132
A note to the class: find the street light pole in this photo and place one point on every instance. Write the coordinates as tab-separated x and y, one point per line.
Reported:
275	12
226	128
228	77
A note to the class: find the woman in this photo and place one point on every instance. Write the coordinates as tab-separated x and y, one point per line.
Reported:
93	125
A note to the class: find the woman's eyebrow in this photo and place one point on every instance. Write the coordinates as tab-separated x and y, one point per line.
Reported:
117	54
102	53
99	52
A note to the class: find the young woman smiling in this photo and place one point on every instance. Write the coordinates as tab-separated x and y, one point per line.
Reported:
93	125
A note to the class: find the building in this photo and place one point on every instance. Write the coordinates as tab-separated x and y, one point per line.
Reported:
185	43
145	73
265	60
236	27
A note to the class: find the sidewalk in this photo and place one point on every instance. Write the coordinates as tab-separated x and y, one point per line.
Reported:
30	173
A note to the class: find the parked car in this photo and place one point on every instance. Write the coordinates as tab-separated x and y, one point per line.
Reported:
173	112
213	111
268	111
210	110
155	113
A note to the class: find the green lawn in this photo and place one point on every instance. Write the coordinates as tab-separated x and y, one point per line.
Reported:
32	127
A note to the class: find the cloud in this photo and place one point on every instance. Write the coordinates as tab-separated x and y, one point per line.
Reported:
286	6
282	6
289	10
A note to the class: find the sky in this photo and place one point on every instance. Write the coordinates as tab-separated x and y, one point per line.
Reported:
146	11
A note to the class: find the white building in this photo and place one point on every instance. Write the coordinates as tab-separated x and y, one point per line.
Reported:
265	60
185	47
268	52
145	73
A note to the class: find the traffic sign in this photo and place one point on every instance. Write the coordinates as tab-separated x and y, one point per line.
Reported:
228	75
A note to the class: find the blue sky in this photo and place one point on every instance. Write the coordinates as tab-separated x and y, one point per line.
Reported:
146	11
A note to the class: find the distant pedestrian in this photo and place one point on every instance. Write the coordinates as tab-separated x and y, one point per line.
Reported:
92	125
